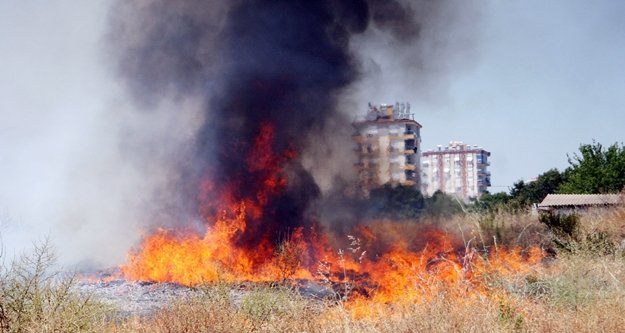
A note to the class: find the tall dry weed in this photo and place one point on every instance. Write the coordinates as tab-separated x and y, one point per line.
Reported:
34	297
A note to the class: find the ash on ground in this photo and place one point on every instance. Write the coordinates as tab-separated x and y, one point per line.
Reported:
140	298
132	298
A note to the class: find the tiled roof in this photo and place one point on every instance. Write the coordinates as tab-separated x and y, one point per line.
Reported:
559	200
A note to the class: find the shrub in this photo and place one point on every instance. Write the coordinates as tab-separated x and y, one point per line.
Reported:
593	232
36	298
562	225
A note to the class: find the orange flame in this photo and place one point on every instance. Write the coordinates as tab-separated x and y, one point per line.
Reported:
384	263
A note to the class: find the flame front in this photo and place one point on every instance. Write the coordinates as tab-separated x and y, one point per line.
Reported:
220	254
384	262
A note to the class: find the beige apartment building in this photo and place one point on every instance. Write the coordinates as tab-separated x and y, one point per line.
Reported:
388	145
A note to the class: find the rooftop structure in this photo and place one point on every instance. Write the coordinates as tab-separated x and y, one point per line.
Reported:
388	146
457	169
577	201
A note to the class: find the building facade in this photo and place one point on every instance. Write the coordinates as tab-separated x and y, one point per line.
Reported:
458	169
388	146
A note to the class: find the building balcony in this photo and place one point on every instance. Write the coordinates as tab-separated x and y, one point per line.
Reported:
403	137
409	167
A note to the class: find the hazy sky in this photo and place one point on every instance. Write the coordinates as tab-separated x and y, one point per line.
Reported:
549	76
60	172
544	77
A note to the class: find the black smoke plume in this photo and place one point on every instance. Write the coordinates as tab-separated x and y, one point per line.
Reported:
252	62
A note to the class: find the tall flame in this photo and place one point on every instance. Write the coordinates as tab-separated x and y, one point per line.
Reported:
384	262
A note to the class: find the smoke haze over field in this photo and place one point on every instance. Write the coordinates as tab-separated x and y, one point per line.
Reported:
90	163
89	160
284	64
78	164
56	147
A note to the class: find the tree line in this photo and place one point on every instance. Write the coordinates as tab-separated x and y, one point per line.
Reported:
594	169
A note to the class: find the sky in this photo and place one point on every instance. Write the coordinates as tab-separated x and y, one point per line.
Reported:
61	177
541	78
550	76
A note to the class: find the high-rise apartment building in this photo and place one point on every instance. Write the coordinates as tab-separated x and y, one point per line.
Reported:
458	169
388	144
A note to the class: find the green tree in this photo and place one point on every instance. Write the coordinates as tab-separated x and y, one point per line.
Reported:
524	194
488	202
595	170
442	205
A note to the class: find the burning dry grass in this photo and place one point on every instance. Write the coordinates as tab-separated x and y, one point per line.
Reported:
374	258
574	294
579	290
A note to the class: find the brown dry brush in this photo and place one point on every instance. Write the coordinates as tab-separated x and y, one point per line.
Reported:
288	257
598	231
34	297
579	290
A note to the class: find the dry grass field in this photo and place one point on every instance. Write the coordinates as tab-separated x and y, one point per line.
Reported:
579	286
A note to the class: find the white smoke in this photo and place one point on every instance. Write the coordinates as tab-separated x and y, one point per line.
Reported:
71	167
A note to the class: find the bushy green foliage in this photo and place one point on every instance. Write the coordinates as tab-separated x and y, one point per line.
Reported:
595	170
522	195
491	202
442	205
